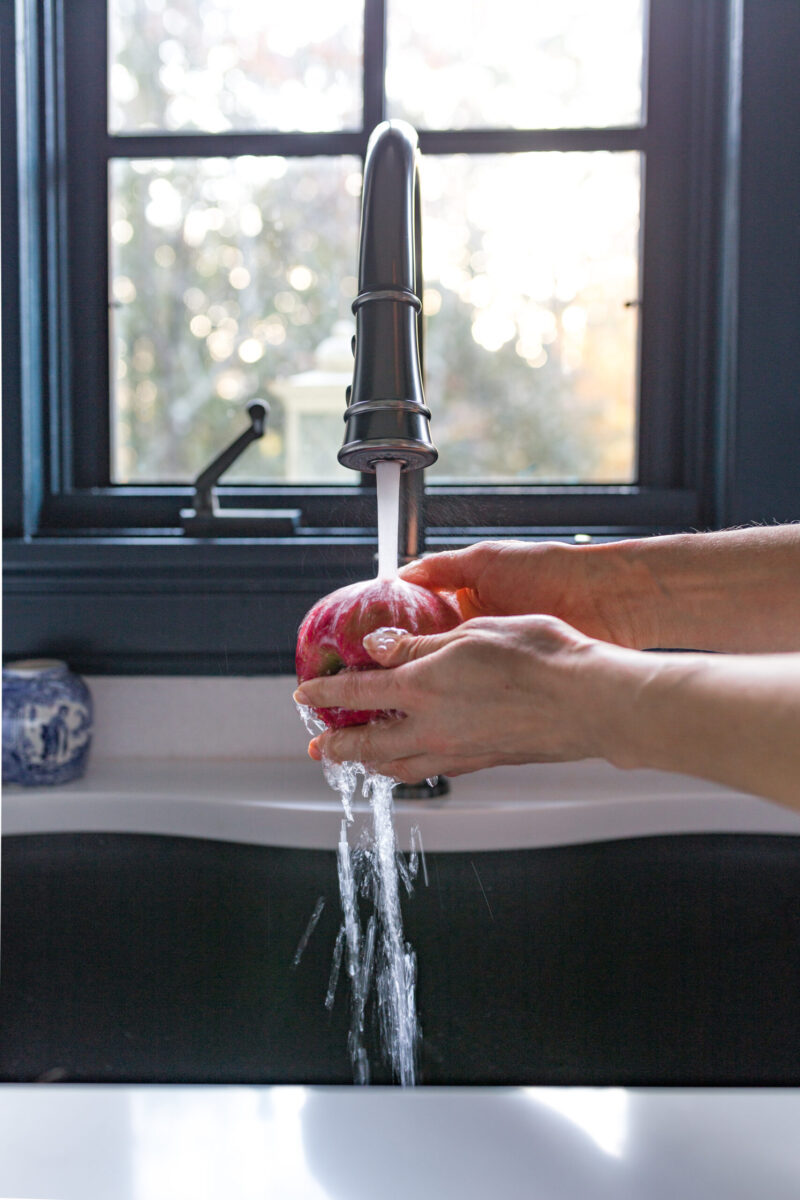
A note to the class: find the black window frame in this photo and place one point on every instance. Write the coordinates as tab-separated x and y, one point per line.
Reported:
103	574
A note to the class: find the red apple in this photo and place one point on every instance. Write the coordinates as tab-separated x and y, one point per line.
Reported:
330	637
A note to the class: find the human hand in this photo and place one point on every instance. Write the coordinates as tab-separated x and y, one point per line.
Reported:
491	691
600	590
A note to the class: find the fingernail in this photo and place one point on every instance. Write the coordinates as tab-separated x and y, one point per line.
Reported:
314	751
300	697
383	639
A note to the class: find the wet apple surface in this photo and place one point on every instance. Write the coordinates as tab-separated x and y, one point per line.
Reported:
331	635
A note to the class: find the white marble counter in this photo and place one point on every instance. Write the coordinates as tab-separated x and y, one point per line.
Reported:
68	1142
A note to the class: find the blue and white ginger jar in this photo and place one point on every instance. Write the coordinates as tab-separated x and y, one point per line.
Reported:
47	723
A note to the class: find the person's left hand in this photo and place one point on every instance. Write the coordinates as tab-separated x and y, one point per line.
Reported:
494	690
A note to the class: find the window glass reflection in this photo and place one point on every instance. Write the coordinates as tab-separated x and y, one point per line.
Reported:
220	65
231	279
499	63
530	264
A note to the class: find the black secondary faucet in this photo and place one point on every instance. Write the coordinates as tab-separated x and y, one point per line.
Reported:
386	417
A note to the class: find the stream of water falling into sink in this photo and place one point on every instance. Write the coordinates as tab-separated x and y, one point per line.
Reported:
372	873
374	951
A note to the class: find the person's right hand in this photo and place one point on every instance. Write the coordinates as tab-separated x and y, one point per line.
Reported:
596	589
497	690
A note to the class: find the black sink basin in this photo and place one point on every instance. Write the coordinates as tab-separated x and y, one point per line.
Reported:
670	960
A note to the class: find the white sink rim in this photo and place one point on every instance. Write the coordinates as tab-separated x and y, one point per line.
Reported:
286	802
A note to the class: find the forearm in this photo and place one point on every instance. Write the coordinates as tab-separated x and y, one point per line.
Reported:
728	718
738	590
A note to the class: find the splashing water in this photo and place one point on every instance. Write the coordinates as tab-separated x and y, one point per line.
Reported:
377	952
312	924
417	850
373	871
336	966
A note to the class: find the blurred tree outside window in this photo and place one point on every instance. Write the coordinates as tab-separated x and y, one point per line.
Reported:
227	275
232	277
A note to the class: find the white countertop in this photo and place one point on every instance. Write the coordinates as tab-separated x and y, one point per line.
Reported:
70	1142
80	1142
286	802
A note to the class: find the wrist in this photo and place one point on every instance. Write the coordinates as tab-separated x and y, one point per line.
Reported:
650	715
736	590
662	592
630	700
630	589
605	684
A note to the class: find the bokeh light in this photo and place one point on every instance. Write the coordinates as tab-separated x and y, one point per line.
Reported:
541	64
221	65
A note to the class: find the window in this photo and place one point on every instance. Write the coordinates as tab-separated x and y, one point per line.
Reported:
232	276
187	178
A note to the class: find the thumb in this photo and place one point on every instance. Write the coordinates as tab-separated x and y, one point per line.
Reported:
446	571
391	647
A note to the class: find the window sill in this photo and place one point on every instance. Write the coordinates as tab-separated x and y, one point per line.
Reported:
156	602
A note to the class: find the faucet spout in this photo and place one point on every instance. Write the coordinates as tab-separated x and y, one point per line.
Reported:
386	416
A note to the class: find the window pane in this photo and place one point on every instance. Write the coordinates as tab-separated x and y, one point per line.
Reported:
529	264
234	65
231	279
539	64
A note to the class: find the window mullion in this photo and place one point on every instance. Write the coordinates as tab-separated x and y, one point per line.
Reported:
664	243
374	63
58	306
32	423
231	145
520	141
86	59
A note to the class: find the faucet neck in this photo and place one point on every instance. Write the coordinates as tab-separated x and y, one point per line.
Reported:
390	221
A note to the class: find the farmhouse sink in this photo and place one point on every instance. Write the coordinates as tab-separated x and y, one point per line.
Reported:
643	958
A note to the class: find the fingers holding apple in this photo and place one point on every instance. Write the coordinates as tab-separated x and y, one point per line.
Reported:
493	690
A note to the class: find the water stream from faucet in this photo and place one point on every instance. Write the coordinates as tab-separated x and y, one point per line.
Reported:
387	486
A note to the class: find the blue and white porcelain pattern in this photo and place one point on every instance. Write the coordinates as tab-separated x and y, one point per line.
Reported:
47	723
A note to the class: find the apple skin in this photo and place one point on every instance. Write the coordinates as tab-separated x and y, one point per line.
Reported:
330	637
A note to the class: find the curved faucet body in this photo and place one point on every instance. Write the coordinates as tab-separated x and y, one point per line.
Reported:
386	416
